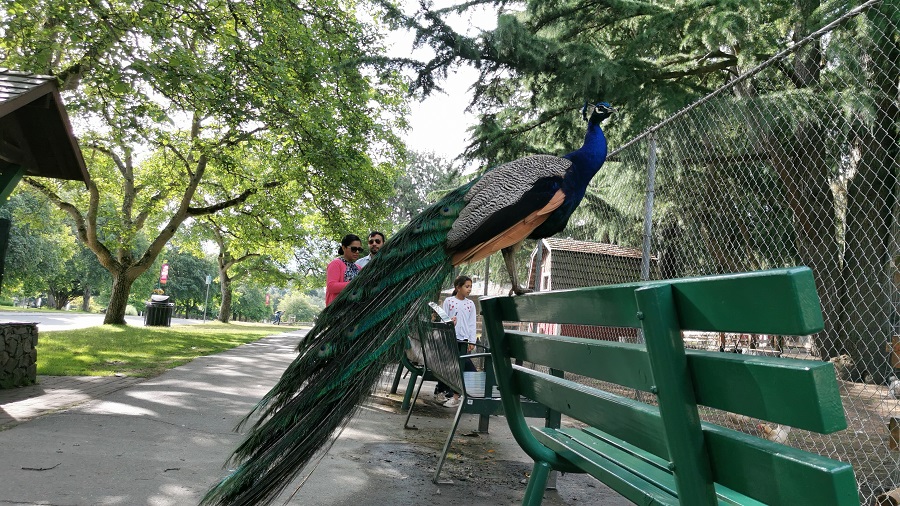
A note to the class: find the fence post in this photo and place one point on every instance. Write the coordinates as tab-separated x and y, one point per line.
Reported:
648	206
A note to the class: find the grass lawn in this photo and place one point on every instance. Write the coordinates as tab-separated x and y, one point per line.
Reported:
140	351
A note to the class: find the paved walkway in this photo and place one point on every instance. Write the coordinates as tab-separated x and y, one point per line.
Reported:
163	441
54	393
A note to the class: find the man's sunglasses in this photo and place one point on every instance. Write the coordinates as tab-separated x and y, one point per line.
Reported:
356	249
374	241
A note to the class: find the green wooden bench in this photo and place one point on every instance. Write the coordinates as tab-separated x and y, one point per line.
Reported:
661	452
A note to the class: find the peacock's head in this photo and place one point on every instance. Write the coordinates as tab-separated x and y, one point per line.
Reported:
596	113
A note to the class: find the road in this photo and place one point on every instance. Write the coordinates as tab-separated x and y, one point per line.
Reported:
66	321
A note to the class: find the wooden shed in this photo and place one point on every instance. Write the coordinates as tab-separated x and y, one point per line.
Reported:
566	263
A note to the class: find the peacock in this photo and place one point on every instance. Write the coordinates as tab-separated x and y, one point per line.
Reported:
342	357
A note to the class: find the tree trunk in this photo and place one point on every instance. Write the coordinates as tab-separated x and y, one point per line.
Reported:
86	300
225	306
871	200
867	297
118	299
805	182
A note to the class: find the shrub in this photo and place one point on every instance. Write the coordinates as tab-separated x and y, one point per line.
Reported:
130	310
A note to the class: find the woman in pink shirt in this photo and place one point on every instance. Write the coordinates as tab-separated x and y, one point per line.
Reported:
343	268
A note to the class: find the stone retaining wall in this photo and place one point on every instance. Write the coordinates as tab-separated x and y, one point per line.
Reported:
18	354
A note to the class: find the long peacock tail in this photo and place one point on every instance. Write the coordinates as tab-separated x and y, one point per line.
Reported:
341	359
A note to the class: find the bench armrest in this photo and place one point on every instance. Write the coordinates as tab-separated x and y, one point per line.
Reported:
475	355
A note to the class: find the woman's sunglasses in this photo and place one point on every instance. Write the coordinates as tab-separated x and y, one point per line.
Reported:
374	241
356	249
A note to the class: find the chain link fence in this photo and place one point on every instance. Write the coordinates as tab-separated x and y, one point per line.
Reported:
772	171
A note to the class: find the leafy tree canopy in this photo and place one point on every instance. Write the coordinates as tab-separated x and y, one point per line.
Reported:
171	99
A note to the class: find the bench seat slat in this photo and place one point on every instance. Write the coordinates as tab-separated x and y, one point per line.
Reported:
649	486
799	393
612	451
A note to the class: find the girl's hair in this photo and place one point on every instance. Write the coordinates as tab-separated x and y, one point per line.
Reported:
347	241
458	282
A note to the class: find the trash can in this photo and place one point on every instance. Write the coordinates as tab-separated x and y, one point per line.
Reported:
159	311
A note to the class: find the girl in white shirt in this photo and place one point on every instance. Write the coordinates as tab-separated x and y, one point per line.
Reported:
462	312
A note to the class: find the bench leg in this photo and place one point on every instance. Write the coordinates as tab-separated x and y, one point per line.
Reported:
534	492
397	378
484	422
551	481
409	389
437	473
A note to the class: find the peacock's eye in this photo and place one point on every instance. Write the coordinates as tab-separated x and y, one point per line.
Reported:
325	350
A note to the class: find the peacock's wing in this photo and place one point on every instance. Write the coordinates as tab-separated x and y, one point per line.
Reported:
508	234
341	359
506	204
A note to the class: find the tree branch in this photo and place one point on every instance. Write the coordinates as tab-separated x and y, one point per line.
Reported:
700	70
83	230
112	154
203	211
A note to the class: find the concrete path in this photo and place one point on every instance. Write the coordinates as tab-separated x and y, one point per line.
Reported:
163	441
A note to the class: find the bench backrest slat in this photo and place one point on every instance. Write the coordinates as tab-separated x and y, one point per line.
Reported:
738	383
798	393
728	303
777	474
633	421
441	354
626	364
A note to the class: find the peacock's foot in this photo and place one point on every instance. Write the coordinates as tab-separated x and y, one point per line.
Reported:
518	290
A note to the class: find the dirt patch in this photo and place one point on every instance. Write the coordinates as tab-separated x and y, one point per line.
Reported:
485	469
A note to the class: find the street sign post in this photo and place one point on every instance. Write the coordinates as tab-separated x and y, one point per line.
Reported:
206	302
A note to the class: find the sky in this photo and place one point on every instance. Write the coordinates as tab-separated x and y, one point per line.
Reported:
439	123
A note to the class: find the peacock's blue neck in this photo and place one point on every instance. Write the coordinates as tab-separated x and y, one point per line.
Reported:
588	159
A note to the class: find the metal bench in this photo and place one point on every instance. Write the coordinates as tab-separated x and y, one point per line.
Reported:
660	452
478	392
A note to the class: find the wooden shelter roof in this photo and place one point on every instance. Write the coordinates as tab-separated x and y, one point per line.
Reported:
34	128
594	248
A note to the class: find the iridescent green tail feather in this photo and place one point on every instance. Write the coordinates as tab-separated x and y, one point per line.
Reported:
341	359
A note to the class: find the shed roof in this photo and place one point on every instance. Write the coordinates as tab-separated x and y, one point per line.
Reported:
595	248
35	132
